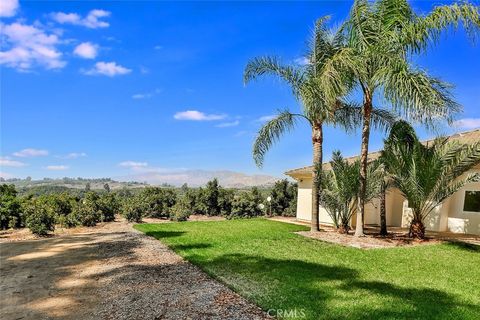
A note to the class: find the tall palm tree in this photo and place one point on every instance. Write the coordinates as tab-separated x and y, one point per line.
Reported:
317	107
427	174
382	37
341	187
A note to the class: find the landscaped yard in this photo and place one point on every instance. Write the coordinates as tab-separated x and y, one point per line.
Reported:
266	262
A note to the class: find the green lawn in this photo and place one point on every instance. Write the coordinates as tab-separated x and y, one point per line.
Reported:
267	263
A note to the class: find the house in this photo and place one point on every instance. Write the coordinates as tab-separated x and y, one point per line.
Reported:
460	213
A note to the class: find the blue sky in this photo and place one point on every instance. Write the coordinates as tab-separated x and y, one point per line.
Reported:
107	89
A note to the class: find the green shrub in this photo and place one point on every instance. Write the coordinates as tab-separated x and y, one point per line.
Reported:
283	198
247	204
40	218
133	210
109	206
11	215
225	201
62	205
181	210
87	212
86	215
157	202
71	220
212	200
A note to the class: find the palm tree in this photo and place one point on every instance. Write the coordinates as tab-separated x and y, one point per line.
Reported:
427	174
317	110
382	37
341	187
402	133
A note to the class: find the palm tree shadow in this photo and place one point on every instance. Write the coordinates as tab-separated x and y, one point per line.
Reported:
164	234
182	247
321	290
405	302
465	246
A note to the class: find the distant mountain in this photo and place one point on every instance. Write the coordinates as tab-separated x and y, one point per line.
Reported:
72	183
197	178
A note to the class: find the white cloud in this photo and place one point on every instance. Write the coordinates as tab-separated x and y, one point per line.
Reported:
92	20
266	118
110	69
73	155
146	95
141	96
30	152
28	46
195	115
7	162
8	8
228	124
133	164
241	133
144	167
5	175
86	50
467	123
302	61
57	167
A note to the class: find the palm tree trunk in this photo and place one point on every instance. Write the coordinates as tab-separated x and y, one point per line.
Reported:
417	229
383	213
317	140
367	114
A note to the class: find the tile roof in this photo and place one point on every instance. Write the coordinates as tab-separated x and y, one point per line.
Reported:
468	137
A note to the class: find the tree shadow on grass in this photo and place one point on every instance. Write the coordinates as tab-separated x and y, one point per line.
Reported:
330	291
464	246
164	234
409	303
186	247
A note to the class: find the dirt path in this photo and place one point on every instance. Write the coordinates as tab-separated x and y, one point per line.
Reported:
109	272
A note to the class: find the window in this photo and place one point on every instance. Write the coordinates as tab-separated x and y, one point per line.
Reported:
472	201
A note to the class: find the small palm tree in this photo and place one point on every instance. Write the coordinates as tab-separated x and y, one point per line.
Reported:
428	174
317	110
382	37
402	133
341	186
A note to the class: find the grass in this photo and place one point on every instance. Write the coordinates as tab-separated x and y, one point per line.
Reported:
268	264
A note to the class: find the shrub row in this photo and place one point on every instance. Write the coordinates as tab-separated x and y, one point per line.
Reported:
41	213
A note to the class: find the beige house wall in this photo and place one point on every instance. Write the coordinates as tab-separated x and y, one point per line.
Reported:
304	206
304	203
459	220
449	216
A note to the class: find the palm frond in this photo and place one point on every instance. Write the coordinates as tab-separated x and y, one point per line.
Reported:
349	116
271	66
417	95
271	133
460	158
428	174
425	31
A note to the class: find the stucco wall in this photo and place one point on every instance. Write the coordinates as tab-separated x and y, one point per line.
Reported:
394	208
459	220
372	210
304	203
447	217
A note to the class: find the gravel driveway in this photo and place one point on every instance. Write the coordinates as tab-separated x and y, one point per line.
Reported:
110	272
